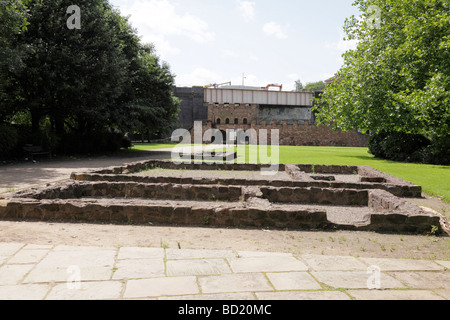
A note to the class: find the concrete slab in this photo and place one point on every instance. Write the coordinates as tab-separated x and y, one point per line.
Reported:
8	249
13	274
172	254
332	263
161	287
87	291
140	253
266	264
293	281
354	280
217	297
445	293
403	264
28	256
139	269
394	295
197	267
250	282
307	295
24	292
424	280
445	264
87	264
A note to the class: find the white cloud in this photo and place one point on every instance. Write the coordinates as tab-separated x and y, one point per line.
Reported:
274	29
342	46
247	9
230	54
159	19
161	44
198	77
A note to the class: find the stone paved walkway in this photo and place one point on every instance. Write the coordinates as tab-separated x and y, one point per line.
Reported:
36	272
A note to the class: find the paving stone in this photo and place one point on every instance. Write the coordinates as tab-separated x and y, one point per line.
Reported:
354	279
445	293
424	280
13	274
267	264
87	291
293	281
198	254
250	282
24	292
80	257
65	274
333	263
306	295
140	253
394	295
8	249
161	287
216	297
139	268
28	256
446	264
61	265
38	247
403	264
248	254
84	249
197	267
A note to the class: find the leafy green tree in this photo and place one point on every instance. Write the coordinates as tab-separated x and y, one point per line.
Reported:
398	77
315	86
13	21
92	78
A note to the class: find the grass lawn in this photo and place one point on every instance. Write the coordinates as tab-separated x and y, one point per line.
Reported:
435	180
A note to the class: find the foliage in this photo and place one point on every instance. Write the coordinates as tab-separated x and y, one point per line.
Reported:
13	21
398	77
398	146
315	86
86	82
8	141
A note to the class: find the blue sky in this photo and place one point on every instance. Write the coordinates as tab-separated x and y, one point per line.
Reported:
211	41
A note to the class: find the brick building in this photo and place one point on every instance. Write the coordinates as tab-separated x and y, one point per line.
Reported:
243	108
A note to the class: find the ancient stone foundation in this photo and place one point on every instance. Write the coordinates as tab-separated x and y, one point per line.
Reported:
229	195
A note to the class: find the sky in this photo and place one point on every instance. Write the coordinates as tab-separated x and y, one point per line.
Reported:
256	42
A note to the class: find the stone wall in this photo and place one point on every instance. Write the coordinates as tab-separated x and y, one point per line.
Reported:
296	125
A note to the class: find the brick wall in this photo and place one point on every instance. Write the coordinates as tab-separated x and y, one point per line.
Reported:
292	132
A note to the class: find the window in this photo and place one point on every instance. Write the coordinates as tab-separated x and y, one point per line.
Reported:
218	121
236	121
227	121
245	121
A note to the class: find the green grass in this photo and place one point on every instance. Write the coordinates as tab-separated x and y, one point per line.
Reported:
149	146
433	179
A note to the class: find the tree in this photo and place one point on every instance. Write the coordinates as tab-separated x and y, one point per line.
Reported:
298	86
398	77
315	86
90	79
13	21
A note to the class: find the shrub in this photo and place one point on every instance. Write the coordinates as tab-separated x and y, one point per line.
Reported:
8	141
398	146
438	152
93	143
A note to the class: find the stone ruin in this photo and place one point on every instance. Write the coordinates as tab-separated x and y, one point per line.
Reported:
298	197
